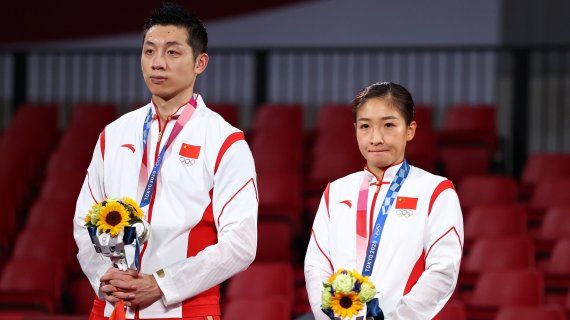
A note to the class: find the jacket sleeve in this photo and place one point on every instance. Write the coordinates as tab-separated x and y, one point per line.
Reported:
234	205
443	247
93	264
318	266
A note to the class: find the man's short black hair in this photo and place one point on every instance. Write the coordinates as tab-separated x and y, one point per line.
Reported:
176	15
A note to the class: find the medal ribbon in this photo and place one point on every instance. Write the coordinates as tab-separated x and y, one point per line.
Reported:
370	254
147	192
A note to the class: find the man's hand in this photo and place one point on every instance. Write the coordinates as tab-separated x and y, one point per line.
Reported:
136	289
145	291
117	284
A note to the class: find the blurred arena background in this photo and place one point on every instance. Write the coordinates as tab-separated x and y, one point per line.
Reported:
491	82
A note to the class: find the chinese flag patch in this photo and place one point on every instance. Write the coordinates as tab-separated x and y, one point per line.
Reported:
189	151
406	203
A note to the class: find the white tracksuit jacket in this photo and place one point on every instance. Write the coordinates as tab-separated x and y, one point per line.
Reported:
203	215
418	258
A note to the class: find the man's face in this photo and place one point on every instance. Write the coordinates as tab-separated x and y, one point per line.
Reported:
167	62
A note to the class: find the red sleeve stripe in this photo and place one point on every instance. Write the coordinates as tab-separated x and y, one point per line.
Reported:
442	186
235	194
230	140
102	143
91	191
321	250
417	271
448	231
326	194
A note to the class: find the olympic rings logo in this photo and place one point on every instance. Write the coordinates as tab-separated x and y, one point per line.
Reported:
187	161
405	213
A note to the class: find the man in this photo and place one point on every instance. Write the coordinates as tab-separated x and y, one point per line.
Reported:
202	207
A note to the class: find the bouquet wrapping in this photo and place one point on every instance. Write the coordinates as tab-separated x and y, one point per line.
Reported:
117	227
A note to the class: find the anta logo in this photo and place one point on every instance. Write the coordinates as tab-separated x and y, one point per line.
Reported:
347	202
129	146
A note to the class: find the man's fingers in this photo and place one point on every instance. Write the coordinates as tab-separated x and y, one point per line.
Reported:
119	275
123	295
120	284
132	272
111	298
108	289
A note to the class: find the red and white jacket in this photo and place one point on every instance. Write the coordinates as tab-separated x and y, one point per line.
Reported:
418	258
203	214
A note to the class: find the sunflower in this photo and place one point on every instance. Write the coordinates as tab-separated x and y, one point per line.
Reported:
112	218
346	305
136	210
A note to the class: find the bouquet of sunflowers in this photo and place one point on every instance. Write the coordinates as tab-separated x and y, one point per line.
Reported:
114	223
345	295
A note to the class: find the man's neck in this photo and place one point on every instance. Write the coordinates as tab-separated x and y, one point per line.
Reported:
166	108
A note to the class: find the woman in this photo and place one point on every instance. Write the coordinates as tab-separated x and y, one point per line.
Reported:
412	253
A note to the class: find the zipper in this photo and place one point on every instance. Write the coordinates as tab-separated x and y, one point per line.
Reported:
160	132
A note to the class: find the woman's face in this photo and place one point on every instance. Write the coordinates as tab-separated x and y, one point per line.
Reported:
382	134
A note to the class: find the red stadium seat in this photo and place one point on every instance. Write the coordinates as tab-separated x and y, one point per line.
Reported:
287	117
543	166
486	190
19	168
555	226
301	305
82	295
423	116
273	242
86	123
53	317
333	156
79	144
496	254
258	309
422	151
495	221
62	185
41	243
497	289
557	268
267	279
474	125
94	116
280	198
547	194
40	280
462	161
20	305
68	159
8	215
58	217
36	126
228	111
275	151
453	310
531	313
331	118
